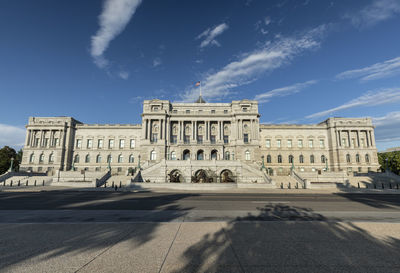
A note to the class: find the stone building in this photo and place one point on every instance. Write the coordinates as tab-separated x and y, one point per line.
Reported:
186	142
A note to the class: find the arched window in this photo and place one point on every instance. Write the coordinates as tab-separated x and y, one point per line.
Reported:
131	159
268	158
301	159
200	155
109	159
290	159
173	155
214	154
227	155
323	159
153	155
51	158
279	159
357	158
186	155
120	158
348	158
41	158
87	158
312	160
367	158
32	158
98	159
247	155
76	160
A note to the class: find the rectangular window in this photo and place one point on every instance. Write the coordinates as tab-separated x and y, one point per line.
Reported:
353	142
37	140
55	143
212	139
187	111
344	142
132	143
278	143
78	143
268	143
100	144
310	143
362	142
174	111
289	143
46	142
186	139
121	143
154	137
321	143
174	139
212	111
300	143
226	139
246	138
225	111
89	143
199	139
244	109
111	143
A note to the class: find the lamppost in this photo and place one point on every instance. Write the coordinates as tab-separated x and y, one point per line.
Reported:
109	163
326	168
11	164
139	163
263	165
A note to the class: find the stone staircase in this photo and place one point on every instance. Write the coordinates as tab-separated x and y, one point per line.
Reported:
286	182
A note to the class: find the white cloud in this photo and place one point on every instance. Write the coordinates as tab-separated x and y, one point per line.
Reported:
209	35
12	136
283	91
377	11
267	20
387	127
376	71
252	64
371	98
157	62
124	75
115	16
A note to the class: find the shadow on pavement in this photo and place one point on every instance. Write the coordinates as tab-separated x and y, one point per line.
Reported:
373	200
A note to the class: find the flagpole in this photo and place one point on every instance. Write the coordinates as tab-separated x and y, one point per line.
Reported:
200	89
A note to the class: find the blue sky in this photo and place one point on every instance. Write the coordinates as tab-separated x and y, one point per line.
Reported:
304	60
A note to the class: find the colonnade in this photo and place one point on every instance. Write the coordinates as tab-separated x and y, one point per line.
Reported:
367	135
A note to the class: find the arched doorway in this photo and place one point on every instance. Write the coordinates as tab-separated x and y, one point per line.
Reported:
200	155
226	176
214	154
186	155
175	176
200	176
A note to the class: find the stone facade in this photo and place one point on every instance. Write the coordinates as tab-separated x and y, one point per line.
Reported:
216	134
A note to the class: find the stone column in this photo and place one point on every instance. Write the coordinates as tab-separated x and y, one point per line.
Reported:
167	130
340	138
370	137
358	138
195	130
367	138
28	135
161	128
348	138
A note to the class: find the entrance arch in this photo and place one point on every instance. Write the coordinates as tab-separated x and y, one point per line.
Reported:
226	176
200	155
214	154
186	155
175	176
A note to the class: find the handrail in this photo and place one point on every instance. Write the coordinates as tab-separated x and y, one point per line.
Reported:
298	178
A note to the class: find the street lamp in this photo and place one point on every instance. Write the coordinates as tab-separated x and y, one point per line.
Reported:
11	164
326	168
139	163
263	165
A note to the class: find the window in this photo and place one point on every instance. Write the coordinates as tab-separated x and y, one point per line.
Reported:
120	158
155	108
89	143
76	160
353	142
246	138
214	155
268	158
46	142
278	143
31	158
321	143
173	156
348	158
109	159
51	158
132	143
244	109
174	111
55	142
186	155
41	158
98	159
153	155
97	169
121	143
154	137
310	143
225	111
357	158
268	143
247	155
199	139
87	159
279	159
174	139
212	111
212	139
367	158
289	143
312	160
111	143
290	159
100	144
200	155
79	143
200	111
131	159
227	156
187	111
186	139
362	142
323	159
344	142
226	139
300	143
301	159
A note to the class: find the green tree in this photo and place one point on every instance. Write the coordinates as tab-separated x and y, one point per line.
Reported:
6	153
390	161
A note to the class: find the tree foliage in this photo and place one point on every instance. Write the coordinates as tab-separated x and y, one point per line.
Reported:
390	161
6	153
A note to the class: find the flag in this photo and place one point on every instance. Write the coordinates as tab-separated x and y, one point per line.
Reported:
197	83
